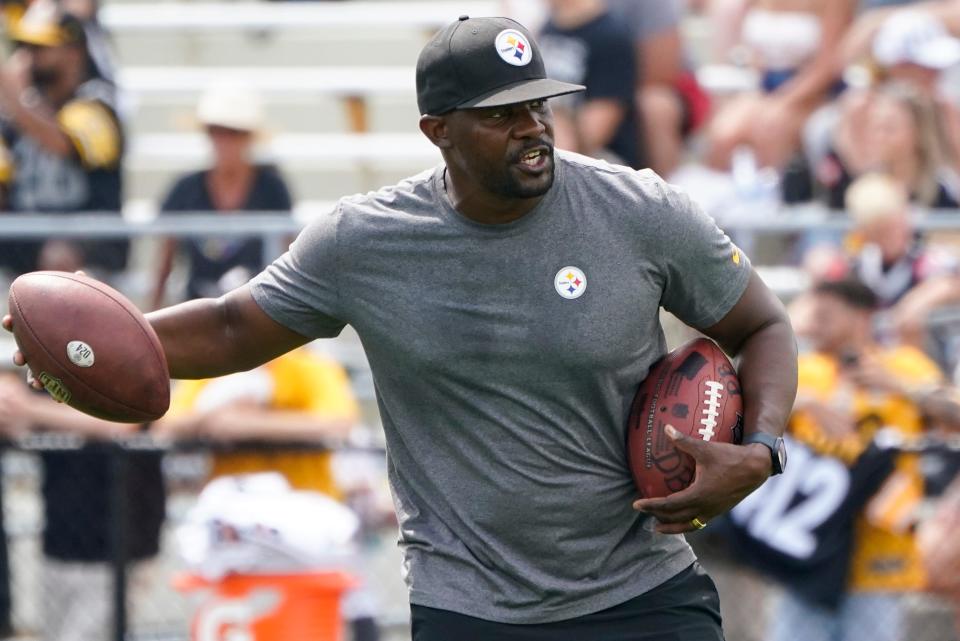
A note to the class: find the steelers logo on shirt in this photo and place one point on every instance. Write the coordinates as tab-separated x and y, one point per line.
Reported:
513	48
570	282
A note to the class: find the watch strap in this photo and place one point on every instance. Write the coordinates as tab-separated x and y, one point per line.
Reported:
773	443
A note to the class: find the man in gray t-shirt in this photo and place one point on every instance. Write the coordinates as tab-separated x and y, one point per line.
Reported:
508	304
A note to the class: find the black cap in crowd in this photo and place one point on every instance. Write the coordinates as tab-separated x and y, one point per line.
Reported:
483	62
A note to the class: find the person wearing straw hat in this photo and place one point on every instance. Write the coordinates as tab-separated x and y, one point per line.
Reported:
508	302
232	117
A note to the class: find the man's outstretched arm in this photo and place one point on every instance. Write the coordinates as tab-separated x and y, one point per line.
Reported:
215	336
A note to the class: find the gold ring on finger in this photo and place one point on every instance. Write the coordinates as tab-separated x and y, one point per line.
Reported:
697	523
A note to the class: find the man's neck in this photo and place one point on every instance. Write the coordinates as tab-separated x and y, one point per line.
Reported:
484	207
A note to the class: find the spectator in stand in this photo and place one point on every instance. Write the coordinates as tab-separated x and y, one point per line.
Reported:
914	47
232	117
838	534
904	46
793	45
299	398
62	140
894	130
584	43
283	413
860	38
909	277
672	104
887	254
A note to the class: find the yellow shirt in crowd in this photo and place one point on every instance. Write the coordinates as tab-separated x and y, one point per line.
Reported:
884	556
304	382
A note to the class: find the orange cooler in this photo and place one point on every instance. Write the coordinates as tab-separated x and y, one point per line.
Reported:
268	607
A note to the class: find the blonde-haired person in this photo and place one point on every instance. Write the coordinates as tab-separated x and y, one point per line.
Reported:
232	117
910	277
893	130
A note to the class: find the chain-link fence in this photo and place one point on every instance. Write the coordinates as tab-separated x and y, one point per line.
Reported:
90	529
89	526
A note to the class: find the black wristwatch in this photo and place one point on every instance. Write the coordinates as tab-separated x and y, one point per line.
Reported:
778	450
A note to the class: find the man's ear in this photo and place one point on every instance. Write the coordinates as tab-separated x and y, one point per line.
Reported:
435	128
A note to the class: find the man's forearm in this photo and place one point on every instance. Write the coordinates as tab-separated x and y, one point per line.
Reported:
767	364
194	338
216	336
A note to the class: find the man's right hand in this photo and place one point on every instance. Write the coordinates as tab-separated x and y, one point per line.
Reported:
18	358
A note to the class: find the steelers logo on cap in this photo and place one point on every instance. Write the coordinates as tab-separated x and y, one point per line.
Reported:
514	48
570	282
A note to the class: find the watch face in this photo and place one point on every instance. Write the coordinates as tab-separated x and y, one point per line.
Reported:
781	450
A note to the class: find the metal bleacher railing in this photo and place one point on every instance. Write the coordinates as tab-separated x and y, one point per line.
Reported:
274	229
745	227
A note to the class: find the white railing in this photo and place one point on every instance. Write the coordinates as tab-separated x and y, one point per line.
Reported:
185	81
171	152
277	229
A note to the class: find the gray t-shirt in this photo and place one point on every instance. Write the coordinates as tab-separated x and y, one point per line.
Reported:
505	359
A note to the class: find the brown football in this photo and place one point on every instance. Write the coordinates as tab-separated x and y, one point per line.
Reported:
694	388
89	346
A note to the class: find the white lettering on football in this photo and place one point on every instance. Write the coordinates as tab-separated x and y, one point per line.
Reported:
712	410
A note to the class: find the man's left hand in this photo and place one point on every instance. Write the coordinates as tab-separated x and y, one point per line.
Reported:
725	475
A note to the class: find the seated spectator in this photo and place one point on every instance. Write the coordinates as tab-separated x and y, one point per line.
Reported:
913	47
297	398
909	47
672	104
61	137
893	130
886	253
792	43
861	38
232	117
584	43
909	277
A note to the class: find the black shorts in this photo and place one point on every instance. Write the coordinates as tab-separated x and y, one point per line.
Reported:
685	608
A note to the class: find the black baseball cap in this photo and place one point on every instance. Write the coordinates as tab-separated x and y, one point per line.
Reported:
483	62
